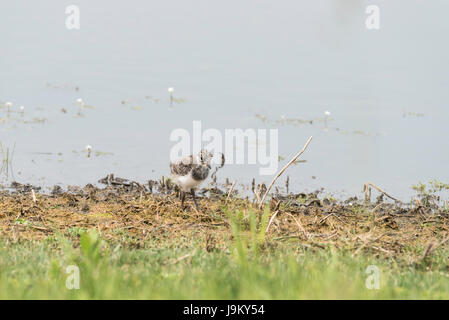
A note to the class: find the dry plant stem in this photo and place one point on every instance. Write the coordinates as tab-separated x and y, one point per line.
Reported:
427	251
431	247
368	184
330	214
441	243
181	258
33	195
376	207
301	228
257	193
271	220
230	191
282	171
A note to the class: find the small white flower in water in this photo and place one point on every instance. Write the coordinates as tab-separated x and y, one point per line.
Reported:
283	117
170	91
22	108
89	150
326	117
80	104
8	104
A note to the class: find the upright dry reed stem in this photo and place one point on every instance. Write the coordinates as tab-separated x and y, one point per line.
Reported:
282	171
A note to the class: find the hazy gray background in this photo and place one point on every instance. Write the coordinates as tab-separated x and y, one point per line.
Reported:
230	60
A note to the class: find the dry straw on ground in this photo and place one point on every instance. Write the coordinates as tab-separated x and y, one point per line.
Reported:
128	211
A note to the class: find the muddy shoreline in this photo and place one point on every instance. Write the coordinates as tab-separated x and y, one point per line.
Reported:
141	213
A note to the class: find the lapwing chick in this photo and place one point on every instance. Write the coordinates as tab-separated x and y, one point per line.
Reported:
189	172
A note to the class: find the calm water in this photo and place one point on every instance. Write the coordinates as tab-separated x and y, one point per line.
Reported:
387	90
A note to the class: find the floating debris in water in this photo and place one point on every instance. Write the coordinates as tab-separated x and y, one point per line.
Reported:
102	153
412	114
261	117
71	86
35	120
285	121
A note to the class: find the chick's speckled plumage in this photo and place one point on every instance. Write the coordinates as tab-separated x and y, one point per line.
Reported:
189	172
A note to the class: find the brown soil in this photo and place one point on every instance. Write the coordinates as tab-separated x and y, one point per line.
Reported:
154	212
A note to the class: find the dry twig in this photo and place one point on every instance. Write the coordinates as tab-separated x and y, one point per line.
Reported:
33	195
367	191
282	171
230	191
271	220
301	228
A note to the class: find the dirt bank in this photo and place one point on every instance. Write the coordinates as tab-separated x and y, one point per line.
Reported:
125	209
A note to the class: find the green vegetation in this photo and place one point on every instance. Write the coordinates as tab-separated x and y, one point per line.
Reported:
129	243
6	156
429	194
247	266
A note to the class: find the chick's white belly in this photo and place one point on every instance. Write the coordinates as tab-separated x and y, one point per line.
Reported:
186	183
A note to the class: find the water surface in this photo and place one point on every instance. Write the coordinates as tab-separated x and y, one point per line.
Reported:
386	89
